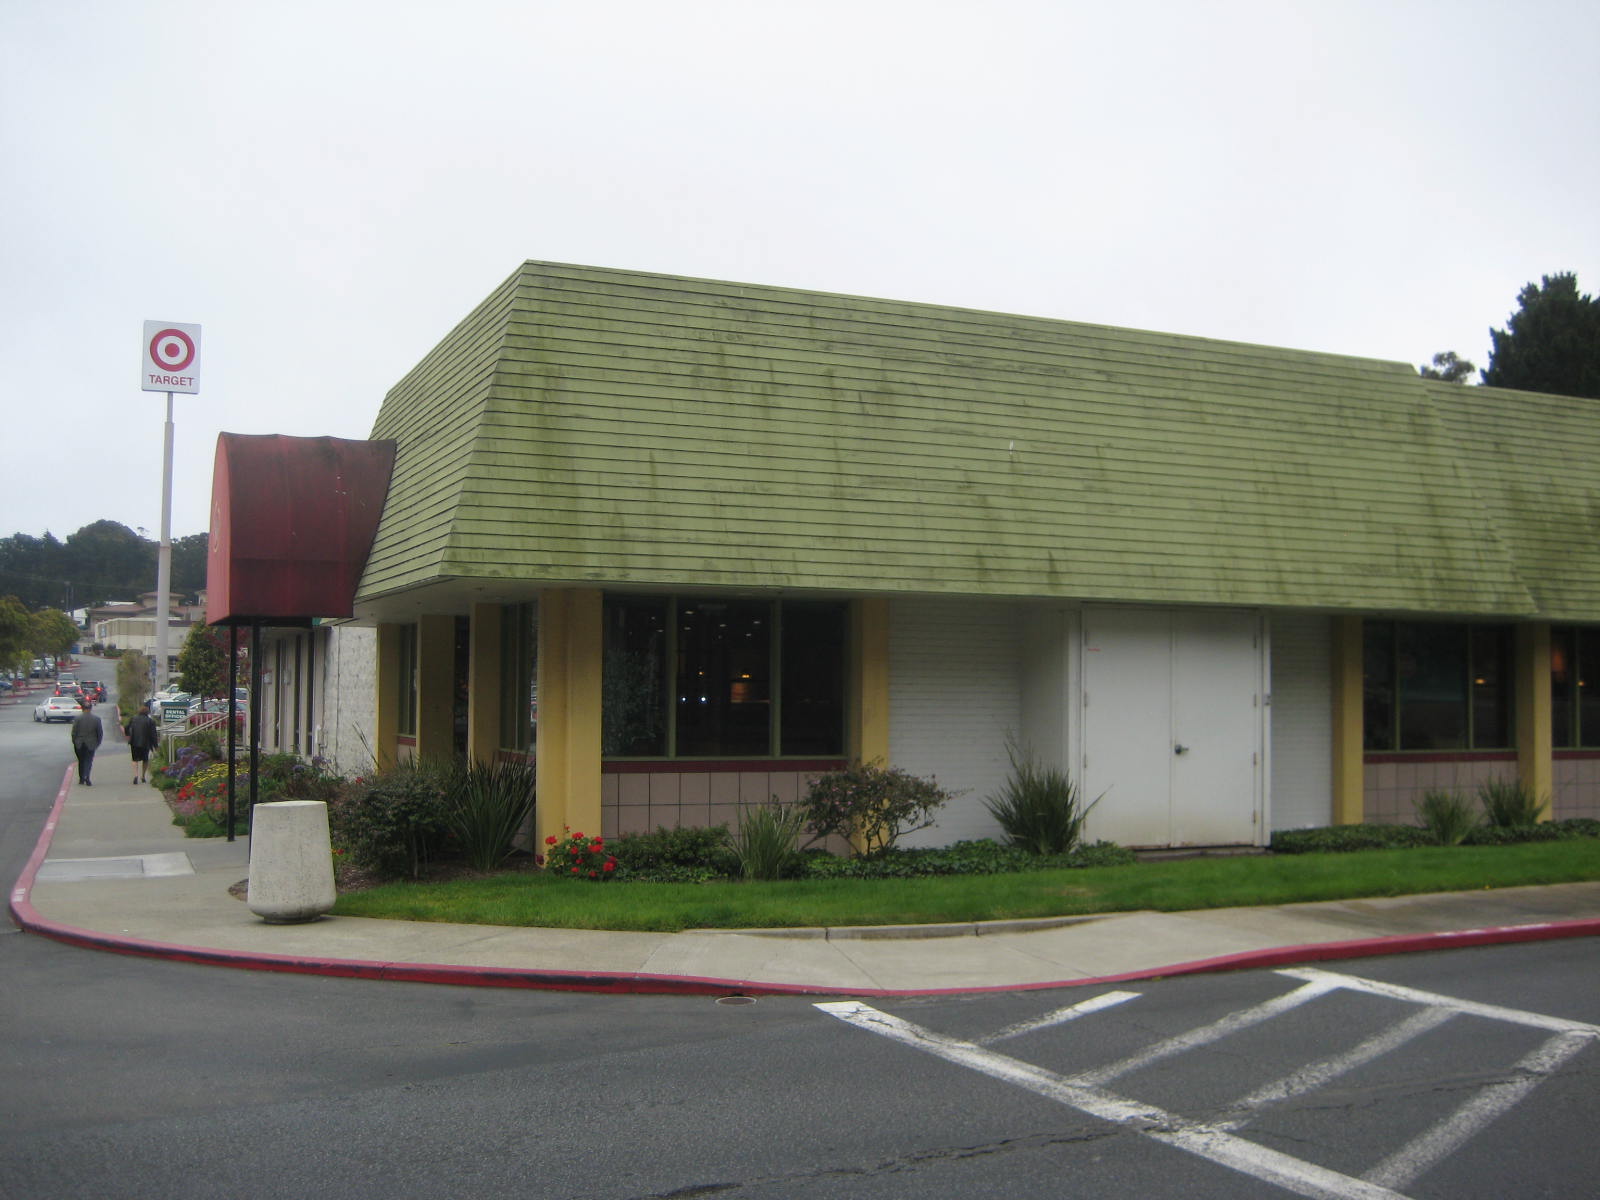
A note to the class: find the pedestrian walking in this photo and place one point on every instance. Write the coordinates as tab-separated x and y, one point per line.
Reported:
142	736
86	735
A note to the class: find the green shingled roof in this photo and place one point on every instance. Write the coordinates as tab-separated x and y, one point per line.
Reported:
609	427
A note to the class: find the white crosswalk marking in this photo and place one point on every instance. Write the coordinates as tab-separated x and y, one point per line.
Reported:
1059	1016
1409	1163
1215	1140
1206	1034
1196	1137
1319	1074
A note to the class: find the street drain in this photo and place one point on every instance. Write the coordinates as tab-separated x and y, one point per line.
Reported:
736	999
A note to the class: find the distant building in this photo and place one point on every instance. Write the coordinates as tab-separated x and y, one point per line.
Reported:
132	625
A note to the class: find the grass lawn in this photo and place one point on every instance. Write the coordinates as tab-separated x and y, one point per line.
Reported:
1170	886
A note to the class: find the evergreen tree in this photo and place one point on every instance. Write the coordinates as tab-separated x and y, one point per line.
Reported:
203	662
1551	343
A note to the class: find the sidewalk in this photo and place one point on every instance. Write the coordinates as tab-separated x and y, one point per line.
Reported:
112	872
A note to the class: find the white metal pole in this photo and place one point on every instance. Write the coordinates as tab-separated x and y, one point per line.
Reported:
164	558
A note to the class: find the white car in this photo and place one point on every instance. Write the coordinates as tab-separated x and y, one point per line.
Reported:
57	708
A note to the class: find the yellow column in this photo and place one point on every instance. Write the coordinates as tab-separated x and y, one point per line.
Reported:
869	677
1535	734
483	684
1349	788
568	745
386	729
436	653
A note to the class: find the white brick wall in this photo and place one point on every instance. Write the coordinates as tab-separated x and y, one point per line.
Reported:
954	688
1302	721
348	698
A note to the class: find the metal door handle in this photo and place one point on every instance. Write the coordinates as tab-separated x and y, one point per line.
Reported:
1180	748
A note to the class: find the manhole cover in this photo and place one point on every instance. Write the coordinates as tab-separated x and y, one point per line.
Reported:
736	999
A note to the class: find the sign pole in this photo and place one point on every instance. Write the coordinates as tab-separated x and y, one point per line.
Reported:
170	363
164	559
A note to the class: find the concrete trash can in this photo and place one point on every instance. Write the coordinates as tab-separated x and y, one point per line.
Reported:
291	862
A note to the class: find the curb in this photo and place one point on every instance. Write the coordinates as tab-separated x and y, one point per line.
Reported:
639	983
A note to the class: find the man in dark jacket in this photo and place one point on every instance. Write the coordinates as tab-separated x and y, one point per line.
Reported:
86	735
142	737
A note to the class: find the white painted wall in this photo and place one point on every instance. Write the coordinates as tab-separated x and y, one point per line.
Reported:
954	694
1302	720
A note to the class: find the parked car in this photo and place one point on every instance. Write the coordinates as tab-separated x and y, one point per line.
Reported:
5	685
38	669
57	708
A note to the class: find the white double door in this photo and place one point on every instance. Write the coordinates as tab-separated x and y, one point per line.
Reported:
1174	725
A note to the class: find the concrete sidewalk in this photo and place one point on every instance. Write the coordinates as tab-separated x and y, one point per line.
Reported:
112	872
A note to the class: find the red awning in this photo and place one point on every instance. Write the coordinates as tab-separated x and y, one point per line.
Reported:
292	524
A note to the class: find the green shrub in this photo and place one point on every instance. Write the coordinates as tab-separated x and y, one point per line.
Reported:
871	806
393	822
689	854
1039	807
1508	804
1544	831
1447	815
767	839
981	856
489	803
1340	838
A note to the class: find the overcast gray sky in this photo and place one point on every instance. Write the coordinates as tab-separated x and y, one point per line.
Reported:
328	187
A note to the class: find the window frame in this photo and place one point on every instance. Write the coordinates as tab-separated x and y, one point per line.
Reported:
667	689
1390	693
406	668
1578	639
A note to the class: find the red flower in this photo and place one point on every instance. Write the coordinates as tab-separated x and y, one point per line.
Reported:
611	864
551	840
597	846
574	870
592	875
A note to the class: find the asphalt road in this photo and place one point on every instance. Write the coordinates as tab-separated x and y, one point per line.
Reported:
1462	1074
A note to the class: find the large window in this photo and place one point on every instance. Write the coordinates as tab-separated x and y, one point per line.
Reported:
519	677
723	678
1574	687
1437	686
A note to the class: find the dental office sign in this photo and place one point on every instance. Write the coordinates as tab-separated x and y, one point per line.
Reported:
171	358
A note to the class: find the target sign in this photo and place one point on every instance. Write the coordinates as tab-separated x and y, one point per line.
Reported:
171	357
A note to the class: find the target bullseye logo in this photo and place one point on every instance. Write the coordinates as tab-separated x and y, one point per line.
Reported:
171	357
172	349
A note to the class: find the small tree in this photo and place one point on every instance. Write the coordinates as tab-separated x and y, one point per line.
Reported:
203	663
871	806
52	632
133	683
1449	367
16	630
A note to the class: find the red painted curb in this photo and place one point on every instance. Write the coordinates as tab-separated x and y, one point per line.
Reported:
639	983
